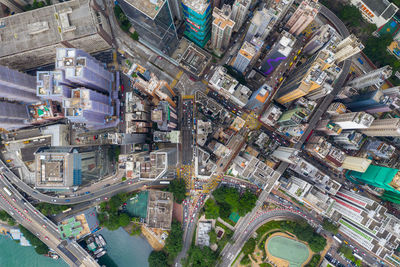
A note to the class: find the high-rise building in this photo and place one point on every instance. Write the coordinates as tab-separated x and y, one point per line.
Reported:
380	149
259	98
336	108
320	39
346	93
245	56
350	46
197	15
261	24
373	102
287	154
378	12
154	22
303	16
378	176
222	27
318	147
367	223
82	69
351	140
356	164
311	75
13	115
52	85
353	120
165	116
278	53
89	107
320	92
293	117
28	41
240	9
375	77
383	127
18	86
328	127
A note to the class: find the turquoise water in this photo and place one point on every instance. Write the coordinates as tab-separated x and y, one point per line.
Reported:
124	250
14	255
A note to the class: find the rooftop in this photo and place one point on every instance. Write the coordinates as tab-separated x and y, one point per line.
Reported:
159	209
248	50
150	8
46	26
199	6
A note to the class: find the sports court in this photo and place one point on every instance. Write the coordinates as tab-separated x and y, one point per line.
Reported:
292	252
137	205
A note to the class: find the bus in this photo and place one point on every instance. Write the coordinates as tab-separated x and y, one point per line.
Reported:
7	191
337	239
65	211
164	182
358	256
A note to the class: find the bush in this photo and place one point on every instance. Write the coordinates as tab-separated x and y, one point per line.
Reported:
5	217
178	188
249	246
229	200
314	261
201	256
157	259
49	209
174	242
245	260
211	209
123	21
328	226
135	36
40	247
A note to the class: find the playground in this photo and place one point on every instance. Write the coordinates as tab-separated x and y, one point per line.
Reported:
284	250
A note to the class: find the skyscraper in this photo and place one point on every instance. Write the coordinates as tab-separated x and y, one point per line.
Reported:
293	117
353	120
82	69
372	102
259	97
356	164
304	15
287	154
311	75
375	77
319	39
89	107
350	46
13	115
197	15
222	27
384	127
261	23
245	56
154	22
320	92
240	9
52	85
32	39
351	140
278	53
17	86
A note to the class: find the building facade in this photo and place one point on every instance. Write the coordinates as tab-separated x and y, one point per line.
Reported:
197	16
384	127
240	9
375	77
222	28
18	86
303	16
245	56
353	120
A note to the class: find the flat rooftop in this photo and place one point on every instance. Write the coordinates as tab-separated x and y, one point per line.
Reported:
159	209
147	7
46	26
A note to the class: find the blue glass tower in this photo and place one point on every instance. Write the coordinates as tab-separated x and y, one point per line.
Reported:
197	20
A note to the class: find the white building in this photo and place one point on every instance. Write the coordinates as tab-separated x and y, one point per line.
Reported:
240	9
287	154
375	77
353	120
377	12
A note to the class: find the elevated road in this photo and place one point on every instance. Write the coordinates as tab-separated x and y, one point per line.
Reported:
108	191
25	214
240	236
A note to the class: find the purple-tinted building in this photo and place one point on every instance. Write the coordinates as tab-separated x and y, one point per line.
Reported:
89	107
13	115
84	70
18	86
52	85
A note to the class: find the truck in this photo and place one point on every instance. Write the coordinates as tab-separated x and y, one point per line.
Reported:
360	60
7	191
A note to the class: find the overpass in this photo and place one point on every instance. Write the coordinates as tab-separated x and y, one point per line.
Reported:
240	236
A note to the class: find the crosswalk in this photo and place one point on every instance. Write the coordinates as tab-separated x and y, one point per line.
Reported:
186	172
212	183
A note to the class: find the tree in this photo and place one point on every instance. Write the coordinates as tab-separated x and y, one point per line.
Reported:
174	242
49	209
135	36
202	257
40	247
249	246
351	15
213	237
157	259
328	226
246	203
124	219
317	243
211	209
314	261
5	217
178	188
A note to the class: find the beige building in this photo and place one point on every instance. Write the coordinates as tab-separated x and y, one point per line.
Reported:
356	164
303	16
30	39
240	8
385	127
221	29
347	48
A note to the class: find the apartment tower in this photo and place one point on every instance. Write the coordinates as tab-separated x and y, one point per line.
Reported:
221	29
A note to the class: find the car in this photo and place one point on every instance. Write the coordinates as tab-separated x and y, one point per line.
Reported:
14	199
26	211
46	238
44	226
54	200
105	198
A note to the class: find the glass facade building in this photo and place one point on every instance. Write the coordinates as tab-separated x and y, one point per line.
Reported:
153	22
198	19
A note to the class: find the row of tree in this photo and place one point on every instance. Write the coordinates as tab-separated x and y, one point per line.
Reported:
48	209
111	216
173	245
40	247
5	217
227	200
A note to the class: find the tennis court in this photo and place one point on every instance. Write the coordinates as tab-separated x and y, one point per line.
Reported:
137	205
290	250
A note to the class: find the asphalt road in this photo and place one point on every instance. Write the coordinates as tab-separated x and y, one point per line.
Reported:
187	131
25	214
231	250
